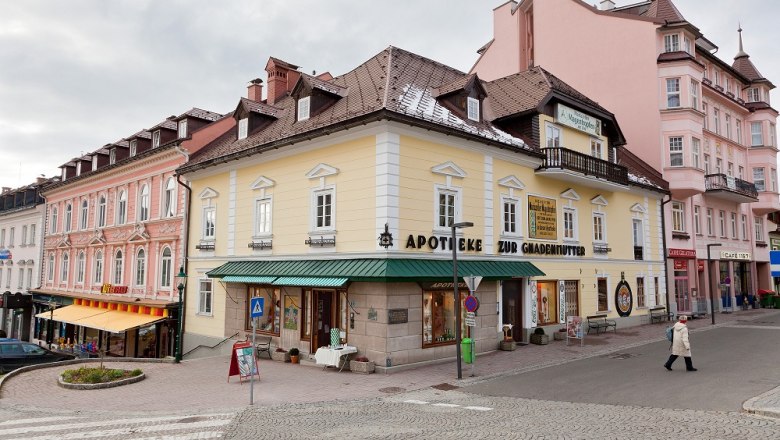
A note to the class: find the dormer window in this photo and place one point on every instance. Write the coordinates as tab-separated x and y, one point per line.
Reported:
94	162
78	168
182	128
112	156
243	128
63	174
304	105
156	139
671	43
133	147
473	108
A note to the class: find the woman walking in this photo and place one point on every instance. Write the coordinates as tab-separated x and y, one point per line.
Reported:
681	346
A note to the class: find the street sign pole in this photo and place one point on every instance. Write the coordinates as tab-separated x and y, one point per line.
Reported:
252	375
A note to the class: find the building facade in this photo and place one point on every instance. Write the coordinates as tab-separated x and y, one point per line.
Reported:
339	201
115	238
708	126
21	233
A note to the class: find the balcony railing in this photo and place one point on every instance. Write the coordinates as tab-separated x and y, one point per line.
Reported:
590	166
722	182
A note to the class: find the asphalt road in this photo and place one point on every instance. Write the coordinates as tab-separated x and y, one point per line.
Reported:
735	364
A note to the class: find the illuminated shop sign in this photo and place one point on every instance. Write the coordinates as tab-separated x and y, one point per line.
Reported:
434	242
511	247
577	120
731	255
110	288
682	253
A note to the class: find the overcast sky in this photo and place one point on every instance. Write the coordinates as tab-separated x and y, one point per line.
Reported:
78	74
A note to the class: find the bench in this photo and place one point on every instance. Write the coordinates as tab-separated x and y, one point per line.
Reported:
659	314
600	323
263	345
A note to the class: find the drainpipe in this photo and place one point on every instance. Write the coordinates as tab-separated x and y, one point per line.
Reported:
186	229
663	235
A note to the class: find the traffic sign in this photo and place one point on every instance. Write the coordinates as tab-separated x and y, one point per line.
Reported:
256	306
471	319
471	303
774	263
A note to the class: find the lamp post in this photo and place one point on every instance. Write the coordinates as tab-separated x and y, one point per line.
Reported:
181	277
709	270
454	245
52	305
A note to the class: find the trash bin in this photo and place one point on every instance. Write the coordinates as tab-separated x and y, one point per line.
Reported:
466	351
777	301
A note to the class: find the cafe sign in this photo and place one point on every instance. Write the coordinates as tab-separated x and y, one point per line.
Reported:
542	218
577	120
731	255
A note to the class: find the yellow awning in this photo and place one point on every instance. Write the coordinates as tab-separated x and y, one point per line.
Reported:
109	320
71	314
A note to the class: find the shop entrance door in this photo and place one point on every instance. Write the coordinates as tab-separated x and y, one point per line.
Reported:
681	286
323	301
512	310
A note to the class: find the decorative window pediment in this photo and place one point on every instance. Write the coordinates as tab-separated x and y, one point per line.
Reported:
599	200
449	169
262	182
322	170
511	182
570	194
636	207
138	234
208	193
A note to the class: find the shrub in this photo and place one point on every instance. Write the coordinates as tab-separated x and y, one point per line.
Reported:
539	331
294	352
93	375
136	372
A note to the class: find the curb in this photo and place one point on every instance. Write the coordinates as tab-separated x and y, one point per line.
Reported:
750	406
100	386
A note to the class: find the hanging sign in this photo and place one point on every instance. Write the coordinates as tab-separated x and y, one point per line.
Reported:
623	298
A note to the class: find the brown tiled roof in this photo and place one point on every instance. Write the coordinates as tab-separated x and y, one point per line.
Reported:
169	124
200	114
323	85
453	86
660	9
261	107
284	64
143	134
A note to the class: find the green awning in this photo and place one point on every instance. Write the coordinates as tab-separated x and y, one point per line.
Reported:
248	279
378	269
310	281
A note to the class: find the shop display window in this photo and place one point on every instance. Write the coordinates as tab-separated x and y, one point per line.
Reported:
116	344
439	317
547	302
270	322
147	342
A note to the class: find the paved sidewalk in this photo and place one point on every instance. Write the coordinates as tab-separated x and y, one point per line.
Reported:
201	384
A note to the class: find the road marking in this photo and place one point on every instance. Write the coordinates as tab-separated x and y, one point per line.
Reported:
193	436
134	430
39	420
446	405
478	408
416	402
114	422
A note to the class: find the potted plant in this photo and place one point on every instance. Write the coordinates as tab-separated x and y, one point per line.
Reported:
280	354
539	338
361	364
294	355
560	335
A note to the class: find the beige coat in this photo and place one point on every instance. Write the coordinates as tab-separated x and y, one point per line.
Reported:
681	346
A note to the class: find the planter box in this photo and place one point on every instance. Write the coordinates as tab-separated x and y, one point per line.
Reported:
361	367
559	336
540	339
507	345
280	356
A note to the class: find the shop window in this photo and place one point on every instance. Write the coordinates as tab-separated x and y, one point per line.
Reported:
271	319
641	301
116	344
306	315
147	342
547	302
572	297
205	296
603	304
439	317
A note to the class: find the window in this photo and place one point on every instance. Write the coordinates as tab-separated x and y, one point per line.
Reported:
156	139
473	108
262	217
756	136
671	43
553	136
165	269
697	219
243	128
599	229
2	238
8	279
29	278
710	223
773	179
182	128
439	317
688	46
694	94
728	126
716	119
672	92
741	170
511	216
569	223
719	166
270	322
49	269
24	235
706	119
772	135
11	237
84	214
78	168
641	301
676	151
63	269
119	267
445	208
323	203
547	302
304	105
80	268
595	149
68	217
603	294
54	219
733	225
121	210
744	227
678	217
101	218
111	156
20	281
97	278
204	297
638	236
758	179
140	268
754	94
209	222
738	124
696	152
94	162
133	147
717	78
730	169
759	226
170	198
722	222
143	204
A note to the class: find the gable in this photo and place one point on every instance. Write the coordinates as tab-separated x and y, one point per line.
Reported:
322	170
599	200
262	182
511	182
570	194
449	169
208	193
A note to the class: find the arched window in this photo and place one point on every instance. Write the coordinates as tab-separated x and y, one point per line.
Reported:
169	209
54	219
64	271
121	213
101	216
80	268
118	267
165	269
143	204
68	217
50	269
84	214
140	268
98	277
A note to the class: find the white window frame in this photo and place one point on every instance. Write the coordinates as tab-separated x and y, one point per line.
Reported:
84	217
759	178
133	147
169	198
8	280
638	232
243	128
472	105
205	296
511	219
733	221
728	126
140	268
24	236
744	227
143	203
166	269
716	119
81	262
68	217
101	211
31	241
597	148
773	179
694	94
121	207
570	227
209	223
599	228
263	227
678	216
456	193
553	136
759	228
697	219
182	129
64	268
772	135
756	134
722	223
671	43
754	94
315	209
718	165
155	138
696	152
303	107
20	281
673	93
119	267
710	222
11	236
676	156
97	275
94	162
50	268
111	156
738	124
54	220
29	278
2	237
706	119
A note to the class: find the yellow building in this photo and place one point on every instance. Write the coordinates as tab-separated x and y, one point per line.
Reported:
335	200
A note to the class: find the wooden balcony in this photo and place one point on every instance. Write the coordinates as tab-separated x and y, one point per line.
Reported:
573	166
730	188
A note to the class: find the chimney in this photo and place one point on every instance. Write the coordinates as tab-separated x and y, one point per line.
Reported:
607	5
254	90
282	77
40	180
6	189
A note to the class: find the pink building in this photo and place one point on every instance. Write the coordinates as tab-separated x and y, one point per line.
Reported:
115	239
706	124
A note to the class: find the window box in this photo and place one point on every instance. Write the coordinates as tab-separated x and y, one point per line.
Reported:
260	245
601	249
761	244
707	81
205	246
681	235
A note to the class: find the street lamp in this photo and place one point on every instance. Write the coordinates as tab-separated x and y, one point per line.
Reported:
709	269
454	245
181	278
